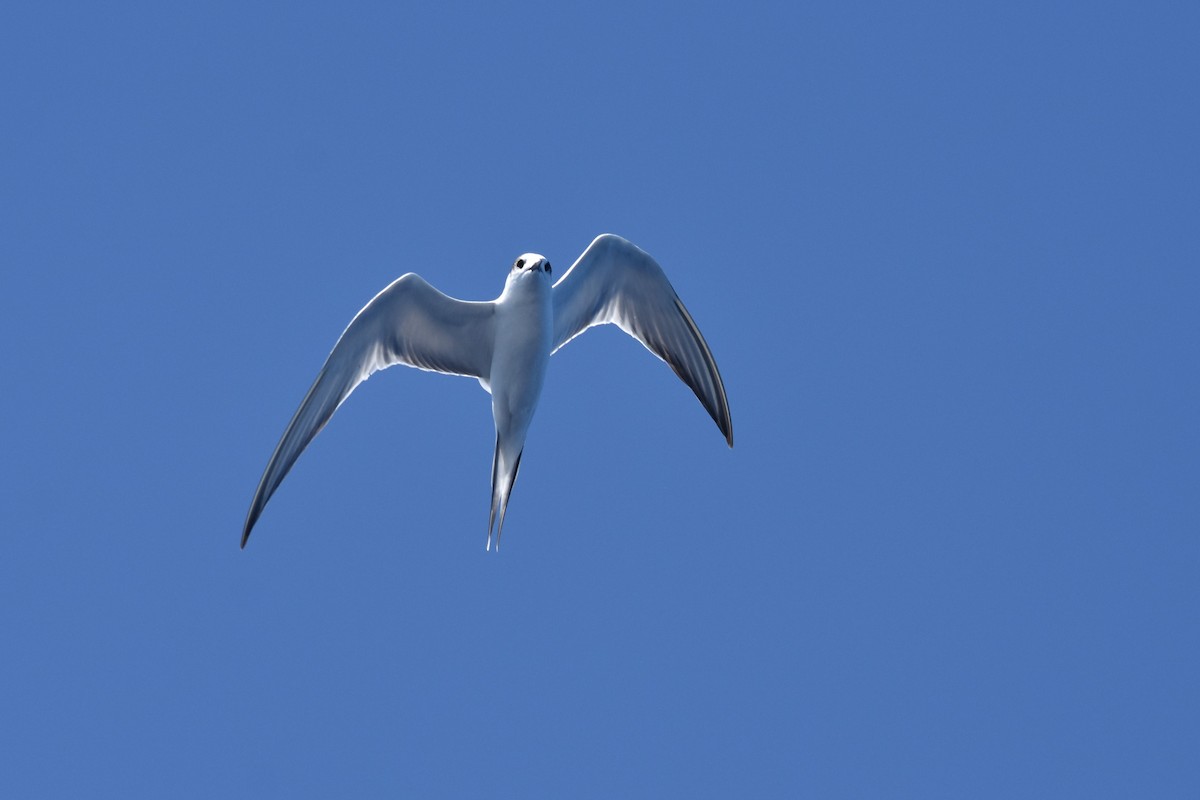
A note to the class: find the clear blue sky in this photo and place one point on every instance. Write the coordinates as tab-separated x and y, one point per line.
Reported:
946	259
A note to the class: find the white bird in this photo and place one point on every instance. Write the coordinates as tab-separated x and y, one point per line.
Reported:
506	345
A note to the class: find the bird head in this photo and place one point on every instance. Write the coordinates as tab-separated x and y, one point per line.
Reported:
531	262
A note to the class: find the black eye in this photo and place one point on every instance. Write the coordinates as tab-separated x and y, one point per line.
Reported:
547	267
520	263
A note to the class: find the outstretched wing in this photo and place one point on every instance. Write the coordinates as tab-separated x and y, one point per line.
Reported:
616	281
409	322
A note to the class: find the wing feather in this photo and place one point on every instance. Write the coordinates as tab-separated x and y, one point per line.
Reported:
614	281
409	322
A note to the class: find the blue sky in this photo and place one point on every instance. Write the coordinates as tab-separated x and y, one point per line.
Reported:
945	257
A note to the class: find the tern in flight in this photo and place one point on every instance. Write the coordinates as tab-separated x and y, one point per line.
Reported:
506	345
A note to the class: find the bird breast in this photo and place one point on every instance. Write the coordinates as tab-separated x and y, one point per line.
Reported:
524	336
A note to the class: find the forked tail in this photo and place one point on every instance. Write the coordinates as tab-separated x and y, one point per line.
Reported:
504	475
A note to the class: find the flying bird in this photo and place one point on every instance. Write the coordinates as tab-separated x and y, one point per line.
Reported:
506	345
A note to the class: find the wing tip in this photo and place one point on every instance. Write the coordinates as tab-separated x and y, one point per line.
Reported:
716	403
252	516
